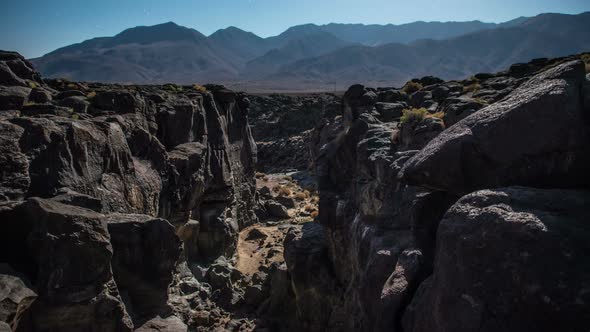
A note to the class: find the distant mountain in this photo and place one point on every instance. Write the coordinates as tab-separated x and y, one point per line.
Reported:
317	56
375	35
460	57
245	45
307	46
160	53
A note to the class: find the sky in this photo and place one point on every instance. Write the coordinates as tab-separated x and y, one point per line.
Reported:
34	28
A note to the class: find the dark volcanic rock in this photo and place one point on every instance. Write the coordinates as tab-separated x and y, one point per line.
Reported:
456	109
15	181
93	247
501	144
13	97
66	253
276	210
145	252
538	238
316	294
46	109
415	135
76	103
16	298
158	324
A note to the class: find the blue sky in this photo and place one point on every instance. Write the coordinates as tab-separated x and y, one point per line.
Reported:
37	27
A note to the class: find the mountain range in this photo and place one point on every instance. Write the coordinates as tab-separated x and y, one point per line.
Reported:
317	57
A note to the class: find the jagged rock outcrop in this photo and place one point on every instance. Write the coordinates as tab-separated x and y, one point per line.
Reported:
99	184
386	182
501	144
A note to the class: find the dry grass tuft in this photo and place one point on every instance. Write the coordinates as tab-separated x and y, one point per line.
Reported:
412	87
474	87
199	88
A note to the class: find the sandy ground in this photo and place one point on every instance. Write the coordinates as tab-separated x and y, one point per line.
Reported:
262	244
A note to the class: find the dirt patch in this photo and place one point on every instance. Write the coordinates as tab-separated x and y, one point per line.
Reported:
259	246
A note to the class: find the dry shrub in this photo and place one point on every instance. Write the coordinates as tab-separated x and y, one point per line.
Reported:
300	196
199	88
412	87
259	175
91	95
315	199
309	208
413	115
284	191
474	87
438	115
315	214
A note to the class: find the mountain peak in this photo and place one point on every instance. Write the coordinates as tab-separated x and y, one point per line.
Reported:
231	31
168	31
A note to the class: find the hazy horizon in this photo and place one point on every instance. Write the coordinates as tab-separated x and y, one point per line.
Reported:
66	22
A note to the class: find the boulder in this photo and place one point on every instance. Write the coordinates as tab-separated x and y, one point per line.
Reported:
158	324
276	210
287	202
46	109
419	98
20	68
67	252
414	135
13	97
440	93
429	80
501	143
390	111
119	101
77	103
538	239
392	96
8	78
40	96
16	299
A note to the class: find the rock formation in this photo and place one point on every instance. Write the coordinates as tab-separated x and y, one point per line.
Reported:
98	180
423	226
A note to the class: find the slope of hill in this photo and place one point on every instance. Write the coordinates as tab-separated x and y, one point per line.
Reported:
317	57
394	64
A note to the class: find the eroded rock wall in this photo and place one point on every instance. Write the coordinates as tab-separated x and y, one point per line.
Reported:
405	252
101	185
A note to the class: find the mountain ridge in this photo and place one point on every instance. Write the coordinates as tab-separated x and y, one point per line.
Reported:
312	56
